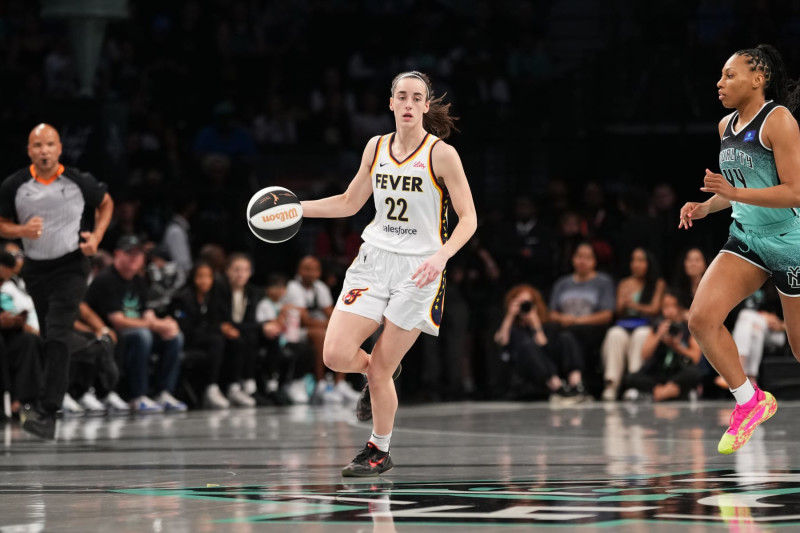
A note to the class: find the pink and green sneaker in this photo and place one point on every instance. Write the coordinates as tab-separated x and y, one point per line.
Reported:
746	418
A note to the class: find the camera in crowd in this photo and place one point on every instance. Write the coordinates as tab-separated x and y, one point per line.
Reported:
525	307
674	329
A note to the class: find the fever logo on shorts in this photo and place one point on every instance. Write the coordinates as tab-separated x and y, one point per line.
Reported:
352	295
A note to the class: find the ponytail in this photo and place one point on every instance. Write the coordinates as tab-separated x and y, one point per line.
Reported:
777	84
438	119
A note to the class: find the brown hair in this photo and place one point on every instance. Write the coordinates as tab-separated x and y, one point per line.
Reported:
536	299
438	119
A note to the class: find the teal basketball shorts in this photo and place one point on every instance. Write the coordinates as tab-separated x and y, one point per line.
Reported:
774	248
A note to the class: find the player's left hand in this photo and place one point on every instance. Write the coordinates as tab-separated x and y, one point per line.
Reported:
430	269
89	243
717	184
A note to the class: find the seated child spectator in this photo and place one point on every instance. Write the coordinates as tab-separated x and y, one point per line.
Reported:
118	295
671	355
283	348
193	308
236	313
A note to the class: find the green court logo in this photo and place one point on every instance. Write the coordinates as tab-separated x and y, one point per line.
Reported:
706	497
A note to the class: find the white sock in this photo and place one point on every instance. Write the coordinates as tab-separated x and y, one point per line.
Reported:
744	393
381	441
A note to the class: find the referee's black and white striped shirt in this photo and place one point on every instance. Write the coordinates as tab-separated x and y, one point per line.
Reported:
66	204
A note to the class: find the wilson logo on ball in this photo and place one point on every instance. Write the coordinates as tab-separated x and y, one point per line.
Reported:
282	216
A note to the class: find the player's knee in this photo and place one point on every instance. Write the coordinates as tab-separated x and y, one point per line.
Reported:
335	355
701	324
379	374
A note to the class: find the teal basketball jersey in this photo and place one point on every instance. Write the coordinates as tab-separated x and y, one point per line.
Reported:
746	162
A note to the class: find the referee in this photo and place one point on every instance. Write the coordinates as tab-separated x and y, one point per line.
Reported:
61	214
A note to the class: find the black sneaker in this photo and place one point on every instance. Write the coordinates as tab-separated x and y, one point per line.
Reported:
38	423
364	402
369	462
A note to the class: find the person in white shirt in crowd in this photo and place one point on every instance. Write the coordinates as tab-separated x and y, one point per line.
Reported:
309	294
15	288
281	340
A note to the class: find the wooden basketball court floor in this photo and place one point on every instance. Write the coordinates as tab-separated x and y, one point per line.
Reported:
473	467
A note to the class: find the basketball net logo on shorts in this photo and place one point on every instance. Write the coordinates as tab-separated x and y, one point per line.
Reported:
352	295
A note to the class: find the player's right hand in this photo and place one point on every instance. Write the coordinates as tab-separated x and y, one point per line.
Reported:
32	229
692	211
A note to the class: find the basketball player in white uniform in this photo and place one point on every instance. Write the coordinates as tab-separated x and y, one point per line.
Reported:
397	279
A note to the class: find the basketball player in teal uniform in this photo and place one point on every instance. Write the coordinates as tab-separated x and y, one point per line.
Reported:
760	181
397	279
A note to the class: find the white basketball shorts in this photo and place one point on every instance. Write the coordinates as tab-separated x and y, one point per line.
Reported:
378	284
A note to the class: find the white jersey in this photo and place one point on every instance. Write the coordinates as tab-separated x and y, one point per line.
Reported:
410	205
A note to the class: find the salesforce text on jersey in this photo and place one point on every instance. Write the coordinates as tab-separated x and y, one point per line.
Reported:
400	230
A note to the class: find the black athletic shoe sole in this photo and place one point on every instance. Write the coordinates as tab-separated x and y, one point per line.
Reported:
372	472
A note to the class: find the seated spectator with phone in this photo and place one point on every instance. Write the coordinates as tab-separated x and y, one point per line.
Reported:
671	355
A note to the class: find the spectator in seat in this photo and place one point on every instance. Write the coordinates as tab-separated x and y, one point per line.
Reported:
193	308
164	279
119	295
176	237
21	352
236	314
582	303
689	272
14	288
282	350
309	294
671	356
539	354
638	302
93	370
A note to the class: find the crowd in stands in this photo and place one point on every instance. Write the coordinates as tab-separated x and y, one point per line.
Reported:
575	286
154	335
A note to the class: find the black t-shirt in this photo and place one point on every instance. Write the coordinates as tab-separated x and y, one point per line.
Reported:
110	293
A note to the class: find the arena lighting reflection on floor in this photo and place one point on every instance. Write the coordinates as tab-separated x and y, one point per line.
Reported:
706	497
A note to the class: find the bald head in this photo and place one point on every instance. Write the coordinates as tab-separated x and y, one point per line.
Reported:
42	130
44	149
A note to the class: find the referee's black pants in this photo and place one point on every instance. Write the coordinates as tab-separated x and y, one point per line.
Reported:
57	287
